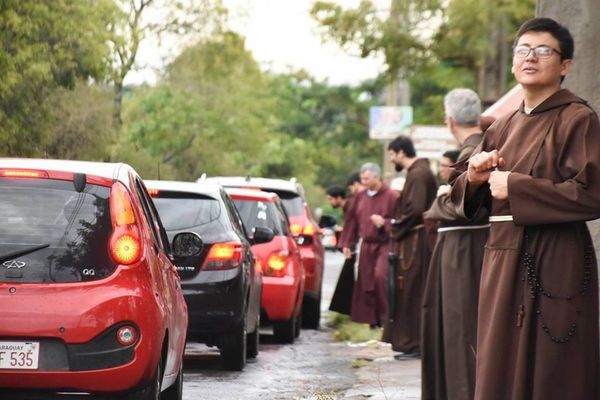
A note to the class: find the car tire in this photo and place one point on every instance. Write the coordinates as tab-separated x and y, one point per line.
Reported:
298	323
253	340
175	391
285	331
152	390
234	349
311	317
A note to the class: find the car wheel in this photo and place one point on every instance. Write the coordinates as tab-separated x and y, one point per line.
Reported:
175	391
285	331
311	317
253	340
152	390
233	349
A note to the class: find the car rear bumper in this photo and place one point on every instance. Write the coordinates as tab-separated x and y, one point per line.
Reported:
215	307
313	271
279	297
76	330
94	368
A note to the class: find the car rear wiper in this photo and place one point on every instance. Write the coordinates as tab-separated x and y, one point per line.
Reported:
23	252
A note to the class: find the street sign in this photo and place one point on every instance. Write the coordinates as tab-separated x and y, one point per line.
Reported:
431	141
389	122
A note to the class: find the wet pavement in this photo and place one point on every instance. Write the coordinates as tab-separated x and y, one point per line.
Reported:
314	367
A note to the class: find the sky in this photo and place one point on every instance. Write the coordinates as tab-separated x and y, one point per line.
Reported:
281	36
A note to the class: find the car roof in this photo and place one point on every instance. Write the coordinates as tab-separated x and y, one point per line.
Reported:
100	169
251	194
290	185
211	189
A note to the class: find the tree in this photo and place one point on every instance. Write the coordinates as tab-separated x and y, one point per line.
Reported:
333	120
399	36
79	124
212	112
477	35
171	17
45	45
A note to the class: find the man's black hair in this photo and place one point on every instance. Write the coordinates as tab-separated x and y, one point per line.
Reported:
452	155
405	144
336	191
352	179
560	33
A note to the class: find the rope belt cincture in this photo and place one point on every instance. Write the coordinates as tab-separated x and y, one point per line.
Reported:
462	228
501	218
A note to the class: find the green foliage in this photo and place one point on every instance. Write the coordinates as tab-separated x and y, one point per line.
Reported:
431	85
136	20
399	36
333	119
79	125
346	330
45	45
211	114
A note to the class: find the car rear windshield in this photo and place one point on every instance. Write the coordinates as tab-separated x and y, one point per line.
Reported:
292	202
259	214
49	232
193	212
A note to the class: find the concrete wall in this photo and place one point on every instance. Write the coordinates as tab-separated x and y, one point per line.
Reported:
582	17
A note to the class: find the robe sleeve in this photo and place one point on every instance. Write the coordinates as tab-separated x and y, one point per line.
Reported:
349	236
535	201
469	208
415	204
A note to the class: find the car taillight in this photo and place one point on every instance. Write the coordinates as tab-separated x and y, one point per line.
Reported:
127	335
153	192
309	230
125	244
22	173
276	264
223	256
297	230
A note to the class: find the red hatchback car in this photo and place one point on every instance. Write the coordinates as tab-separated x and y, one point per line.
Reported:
283	274
91	302
303	227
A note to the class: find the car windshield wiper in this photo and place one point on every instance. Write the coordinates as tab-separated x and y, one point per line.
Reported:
23	252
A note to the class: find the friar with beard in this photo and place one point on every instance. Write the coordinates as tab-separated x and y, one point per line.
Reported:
411	244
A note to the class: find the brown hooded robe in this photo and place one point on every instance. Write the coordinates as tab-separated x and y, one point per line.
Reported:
449	330
538	310
413	248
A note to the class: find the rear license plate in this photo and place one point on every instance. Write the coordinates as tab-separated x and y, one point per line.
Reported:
19	355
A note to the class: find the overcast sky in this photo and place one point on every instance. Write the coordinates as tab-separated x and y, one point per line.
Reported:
280	34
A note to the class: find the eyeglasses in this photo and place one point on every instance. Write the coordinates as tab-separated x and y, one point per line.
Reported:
539	51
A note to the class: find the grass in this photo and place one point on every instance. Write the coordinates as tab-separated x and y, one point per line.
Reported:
347	331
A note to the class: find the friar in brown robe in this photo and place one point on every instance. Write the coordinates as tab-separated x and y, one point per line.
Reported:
538	171
369	300
341	301
449	330
412	246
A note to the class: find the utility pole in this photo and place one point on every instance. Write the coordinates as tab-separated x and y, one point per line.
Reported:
581	17
397	90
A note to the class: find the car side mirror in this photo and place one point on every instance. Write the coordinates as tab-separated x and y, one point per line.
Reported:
187	244
327	221
261	235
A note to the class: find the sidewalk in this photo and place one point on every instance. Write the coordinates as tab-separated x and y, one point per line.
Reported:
379	376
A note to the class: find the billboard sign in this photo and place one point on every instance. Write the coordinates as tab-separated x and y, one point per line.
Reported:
389	122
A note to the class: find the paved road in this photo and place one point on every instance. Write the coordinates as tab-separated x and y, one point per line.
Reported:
315	367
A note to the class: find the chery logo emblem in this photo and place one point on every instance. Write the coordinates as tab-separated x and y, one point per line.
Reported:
13	264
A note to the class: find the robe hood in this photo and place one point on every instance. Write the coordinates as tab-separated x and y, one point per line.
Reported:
561	98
